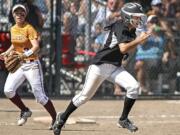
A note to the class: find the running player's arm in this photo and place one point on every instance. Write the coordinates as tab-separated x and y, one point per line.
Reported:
126	47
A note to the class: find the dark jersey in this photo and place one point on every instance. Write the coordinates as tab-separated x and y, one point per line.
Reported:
110	53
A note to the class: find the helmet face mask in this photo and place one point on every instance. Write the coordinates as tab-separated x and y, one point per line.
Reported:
132	13
138	21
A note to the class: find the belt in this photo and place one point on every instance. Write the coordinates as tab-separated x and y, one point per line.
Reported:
28	61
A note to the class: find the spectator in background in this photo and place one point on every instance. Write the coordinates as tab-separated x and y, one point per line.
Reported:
82	21
170	68
4	45
95	8
74	19
5	7
98	37
170	8
148	57
82	13
108	14
69	33
65	6
158	9
170	13
70	20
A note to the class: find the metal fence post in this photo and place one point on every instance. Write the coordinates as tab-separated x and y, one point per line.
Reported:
58	46
88	27
51	56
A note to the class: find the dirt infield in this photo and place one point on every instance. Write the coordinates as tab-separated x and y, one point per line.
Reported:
152	117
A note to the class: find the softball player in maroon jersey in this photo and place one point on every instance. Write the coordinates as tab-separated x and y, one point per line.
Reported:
107	65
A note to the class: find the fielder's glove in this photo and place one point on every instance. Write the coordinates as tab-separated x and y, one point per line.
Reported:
12	62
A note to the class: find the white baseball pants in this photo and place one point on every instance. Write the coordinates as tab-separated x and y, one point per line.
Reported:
31	71
96	74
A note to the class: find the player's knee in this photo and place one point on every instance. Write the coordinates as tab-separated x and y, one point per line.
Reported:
9	93
84	99
42	100
133	92
39	94
80	100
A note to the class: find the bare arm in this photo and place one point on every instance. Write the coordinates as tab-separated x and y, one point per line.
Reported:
35	48
35	45
126	47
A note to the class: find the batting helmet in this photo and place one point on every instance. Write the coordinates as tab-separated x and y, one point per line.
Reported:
133	9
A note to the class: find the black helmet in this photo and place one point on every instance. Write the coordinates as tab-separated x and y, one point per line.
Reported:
133	9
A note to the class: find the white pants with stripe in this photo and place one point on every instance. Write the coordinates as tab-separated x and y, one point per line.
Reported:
96	74
31	71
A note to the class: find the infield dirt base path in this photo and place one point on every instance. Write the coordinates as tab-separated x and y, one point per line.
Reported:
97	117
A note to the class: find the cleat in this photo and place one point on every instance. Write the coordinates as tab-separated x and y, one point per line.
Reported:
51	125
58	124
127	124
23	117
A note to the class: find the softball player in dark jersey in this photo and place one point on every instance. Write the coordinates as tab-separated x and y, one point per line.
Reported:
107	65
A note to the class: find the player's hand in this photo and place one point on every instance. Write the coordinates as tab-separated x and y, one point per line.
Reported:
143	37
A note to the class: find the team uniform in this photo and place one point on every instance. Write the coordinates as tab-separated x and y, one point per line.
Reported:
107	65
30	68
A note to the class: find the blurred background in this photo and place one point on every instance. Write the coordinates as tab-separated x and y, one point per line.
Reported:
72	33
